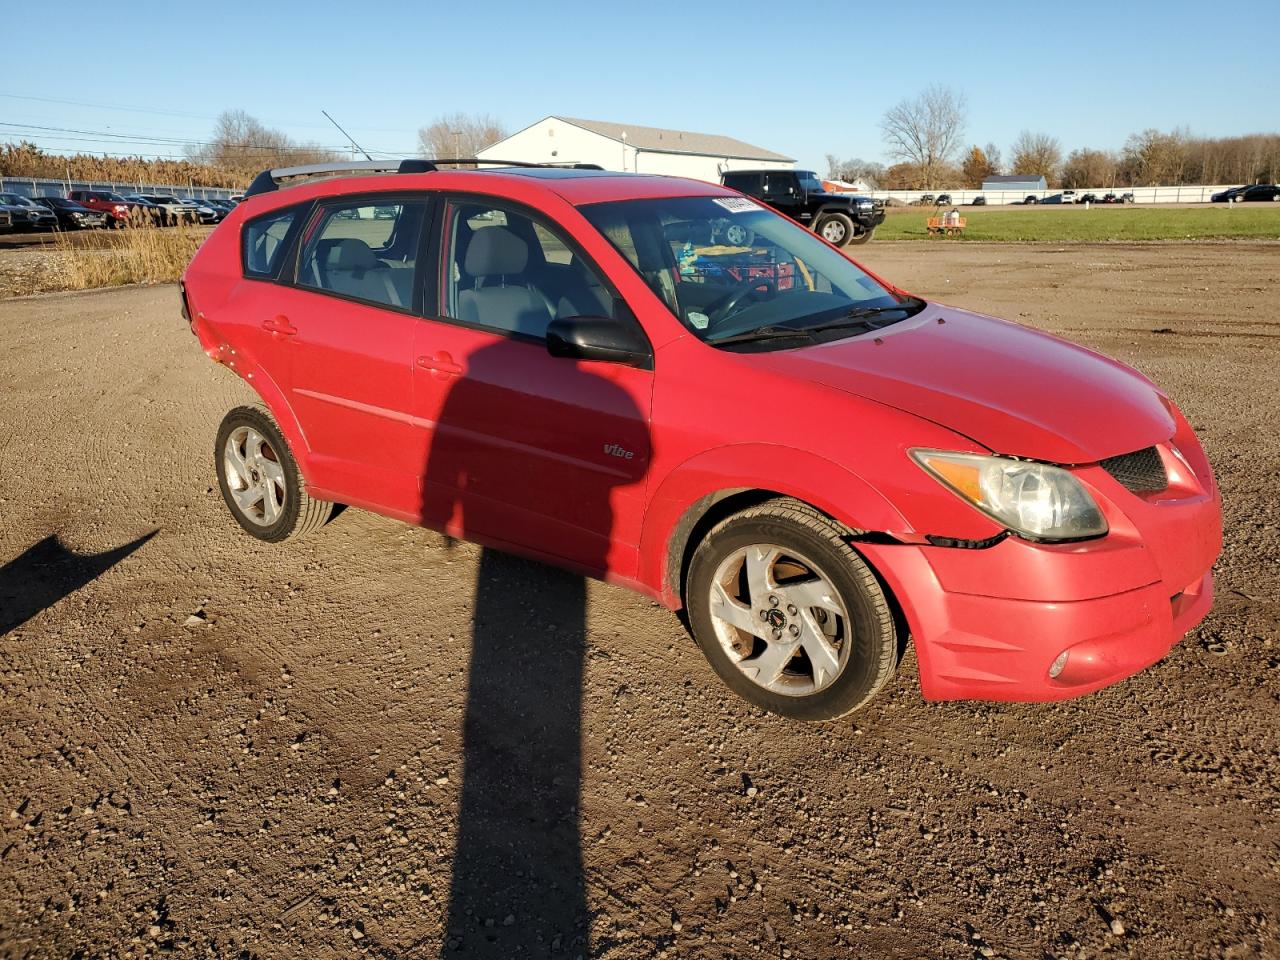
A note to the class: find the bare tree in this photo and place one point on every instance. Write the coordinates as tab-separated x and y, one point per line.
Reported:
459	135
993	158
245	145
867	171
1037	153
1152	158
1089	168
925	132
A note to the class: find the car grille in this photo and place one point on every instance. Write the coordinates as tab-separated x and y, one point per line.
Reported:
1141	471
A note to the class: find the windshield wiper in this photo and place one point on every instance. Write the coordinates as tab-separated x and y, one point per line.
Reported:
857	318
861	317
763	333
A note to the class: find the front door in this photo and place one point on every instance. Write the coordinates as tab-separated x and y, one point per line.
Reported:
528	450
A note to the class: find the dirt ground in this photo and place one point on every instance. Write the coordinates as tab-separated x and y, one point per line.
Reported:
215	747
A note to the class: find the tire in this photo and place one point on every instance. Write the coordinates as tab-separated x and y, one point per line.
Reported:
863	237
804	556
736	235
251	457
835	228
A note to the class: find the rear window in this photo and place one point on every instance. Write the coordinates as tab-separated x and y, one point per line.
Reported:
746	182
264	240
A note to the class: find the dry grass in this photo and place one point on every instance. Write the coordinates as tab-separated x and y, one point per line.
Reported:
109	258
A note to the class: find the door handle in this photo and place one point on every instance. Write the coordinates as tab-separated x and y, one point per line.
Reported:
280	325
441	364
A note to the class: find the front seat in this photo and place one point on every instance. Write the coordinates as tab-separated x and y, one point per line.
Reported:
503	296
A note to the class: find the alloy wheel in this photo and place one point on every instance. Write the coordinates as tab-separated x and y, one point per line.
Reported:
254	476
780	620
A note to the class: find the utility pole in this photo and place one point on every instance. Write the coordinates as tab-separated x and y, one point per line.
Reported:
624	151
457	150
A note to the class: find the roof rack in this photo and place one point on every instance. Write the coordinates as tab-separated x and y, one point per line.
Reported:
269	180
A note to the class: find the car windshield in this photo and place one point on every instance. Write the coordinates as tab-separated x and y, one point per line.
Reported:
729	268
809	180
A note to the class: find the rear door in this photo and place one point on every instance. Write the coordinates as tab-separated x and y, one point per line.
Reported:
527	450
348	322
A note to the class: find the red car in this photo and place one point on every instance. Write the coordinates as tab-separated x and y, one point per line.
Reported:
119	211
811	462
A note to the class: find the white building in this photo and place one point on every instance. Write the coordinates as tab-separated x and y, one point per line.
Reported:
620	146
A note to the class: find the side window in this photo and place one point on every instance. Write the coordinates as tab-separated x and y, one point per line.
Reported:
366	251
744	182
507	272
263	242
780	184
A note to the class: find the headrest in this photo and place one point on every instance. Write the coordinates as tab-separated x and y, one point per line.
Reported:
352	254
495	251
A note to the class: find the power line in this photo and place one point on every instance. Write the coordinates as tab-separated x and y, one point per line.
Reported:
107	136
166	113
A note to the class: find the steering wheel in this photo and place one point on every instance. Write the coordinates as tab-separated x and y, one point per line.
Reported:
723	308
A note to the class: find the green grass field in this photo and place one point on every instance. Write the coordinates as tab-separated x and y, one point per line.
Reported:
1066	224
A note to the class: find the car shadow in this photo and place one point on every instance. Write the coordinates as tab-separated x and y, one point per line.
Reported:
517	885
46	572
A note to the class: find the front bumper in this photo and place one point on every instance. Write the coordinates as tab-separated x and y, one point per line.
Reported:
989	623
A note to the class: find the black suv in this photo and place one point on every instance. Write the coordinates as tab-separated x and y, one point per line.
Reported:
838	218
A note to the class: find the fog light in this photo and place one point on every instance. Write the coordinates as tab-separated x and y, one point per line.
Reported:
1058	665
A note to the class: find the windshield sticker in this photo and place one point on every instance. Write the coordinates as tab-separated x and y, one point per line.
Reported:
736	204
700	321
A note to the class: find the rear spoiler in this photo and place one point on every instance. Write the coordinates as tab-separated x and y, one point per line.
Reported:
269	180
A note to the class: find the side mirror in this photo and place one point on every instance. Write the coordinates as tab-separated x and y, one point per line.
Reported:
600	338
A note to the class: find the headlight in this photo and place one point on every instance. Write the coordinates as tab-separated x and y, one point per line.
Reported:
1036	500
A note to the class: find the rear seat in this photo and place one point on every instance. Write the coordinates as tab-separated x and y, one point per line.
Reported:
349	266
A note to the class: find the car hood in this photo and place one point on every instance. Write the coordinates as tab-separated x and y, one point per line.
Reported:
1014	390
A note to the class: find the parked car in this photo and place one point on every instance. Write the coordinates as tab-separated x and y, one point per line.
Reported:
26	214
1259	191
927	200
840	218
1088	198
205	212
543	367
1031	198
6	218
223	206
1067	196
1226	196
119	210
944	199
172	210
978	201
1118	198
72	215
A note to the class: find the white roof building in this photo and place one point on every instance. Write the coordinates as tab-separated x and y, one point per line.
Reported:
620	146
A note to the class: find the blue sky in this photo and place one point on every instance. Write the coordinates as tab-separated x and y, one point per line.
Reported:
802	79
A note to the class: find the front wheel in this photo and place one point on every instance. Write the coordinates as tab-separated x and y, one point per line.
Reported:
835	228
862	237
260	481
788	614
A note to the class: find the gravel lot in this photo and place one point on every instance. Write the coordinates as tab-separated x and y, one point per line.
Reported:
215	747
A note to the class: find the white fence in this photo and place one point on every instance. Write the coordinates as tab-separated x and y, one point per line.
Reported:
36	187
1199	193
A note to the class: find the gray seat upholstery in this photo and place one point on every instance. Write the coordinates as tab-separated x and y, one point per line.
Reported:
503	297
351	266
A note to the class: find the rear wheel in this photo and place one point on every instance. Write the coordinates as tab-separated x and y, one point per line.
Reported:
788	614
862	236
260	481
835	228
